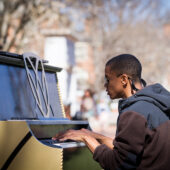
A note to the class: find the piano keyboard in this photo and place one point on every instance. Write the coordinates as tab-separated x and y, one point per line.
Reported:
62	144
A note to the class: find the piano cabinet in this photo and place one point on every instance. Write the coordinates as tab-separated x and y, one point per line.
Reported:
20	150
31	112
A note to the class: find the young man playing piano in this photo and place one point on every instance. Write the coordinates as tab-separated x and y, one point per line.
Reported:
142	138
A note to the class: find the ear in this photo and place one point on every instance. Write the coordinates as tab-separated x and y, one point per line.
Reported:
124	80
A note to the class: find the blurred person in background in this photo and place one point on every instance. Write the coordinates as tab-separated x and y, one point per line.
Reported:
87	107
67	109
142	139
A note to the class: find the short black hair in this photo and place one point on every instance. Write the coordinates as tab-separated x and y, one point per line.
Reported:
126	64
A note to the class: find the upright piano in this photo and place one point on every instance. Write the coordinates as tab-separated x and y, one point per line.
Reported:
31	113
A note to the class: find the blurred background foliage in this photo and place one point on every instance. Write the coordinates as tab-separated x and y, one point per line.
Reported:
139	27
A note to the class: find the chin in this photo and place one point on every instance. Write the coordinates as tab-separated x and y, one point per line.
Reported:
112	97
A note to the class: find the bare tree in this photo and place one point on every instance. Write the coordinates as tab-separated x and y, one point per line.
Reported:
15	16
134	27
111	27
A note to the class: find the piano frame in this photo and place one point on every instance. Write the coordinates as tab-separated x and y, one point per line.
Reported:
22	136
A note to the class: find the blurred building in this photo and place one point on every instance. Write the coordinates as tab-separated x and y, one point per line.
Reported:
166	30
59	50
62	49
84	65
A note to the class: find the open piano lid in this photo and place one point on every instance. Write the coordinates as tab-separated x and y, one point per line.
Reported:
29	92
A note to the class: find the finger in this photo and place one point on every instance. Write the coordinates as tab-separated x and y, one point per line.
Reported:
58	135
84	130
66	138
71	131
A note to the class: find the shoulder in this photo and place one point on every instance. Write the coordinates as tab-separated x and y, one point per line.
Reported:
149	111
140	106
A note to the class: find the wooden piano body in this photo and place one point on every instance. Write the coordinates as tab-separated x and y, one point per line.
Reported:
31	112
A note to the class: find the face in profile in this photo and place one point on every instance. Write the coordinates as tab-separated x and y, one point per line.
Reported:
113	84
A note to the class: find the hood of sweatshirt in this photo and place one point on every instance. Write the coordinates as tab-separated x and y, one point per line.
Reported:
155	94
